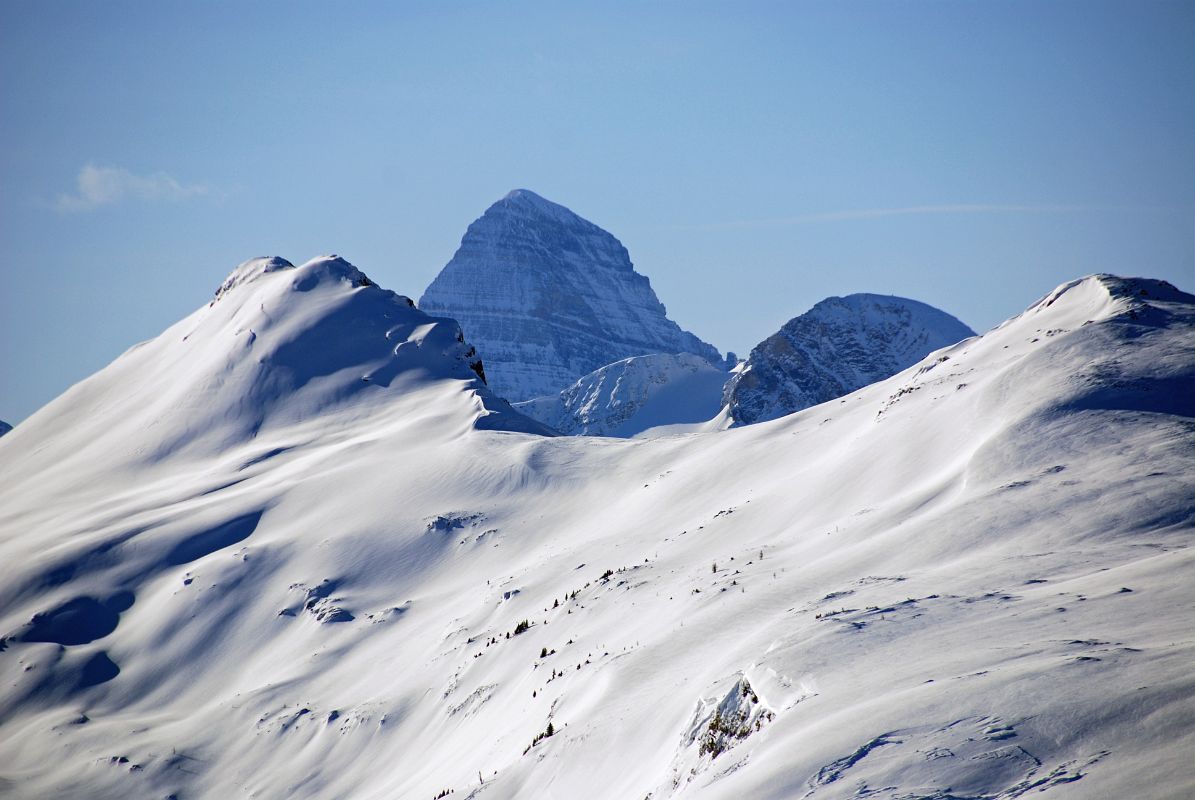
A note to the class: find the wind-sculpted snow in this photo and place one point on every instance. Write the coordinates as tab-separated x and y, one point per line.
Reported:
633	395
965	581
840	345
548	297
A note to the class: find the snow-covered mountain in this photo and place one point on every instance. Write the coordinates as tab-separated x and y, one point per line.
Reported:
279	347
633	395
965	581
547	297
840	345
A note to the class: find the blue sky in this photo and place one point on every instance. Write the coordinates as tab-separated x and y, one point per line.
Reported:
753	157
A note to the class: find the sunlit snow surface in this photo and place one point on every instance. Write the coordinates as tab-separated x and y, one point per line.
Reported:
277	551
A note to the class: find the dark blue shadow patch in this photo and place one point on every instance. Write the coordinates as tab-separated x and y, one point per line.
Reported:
200	544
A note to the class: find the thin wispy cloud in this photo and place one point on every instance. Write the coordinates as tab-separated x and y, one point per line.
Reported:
900	211
957	208
104	186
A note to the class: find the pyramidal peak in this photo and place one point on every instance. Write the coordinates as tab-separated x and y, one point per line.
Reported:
549	297
529	197
528	200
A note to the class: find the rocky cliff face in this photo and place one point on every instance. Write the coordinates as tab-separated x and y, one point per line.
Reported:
547	297
840	345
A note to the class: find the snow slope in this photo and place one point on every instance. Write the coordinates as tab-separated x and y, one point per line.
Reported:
548	297
969	580
278	346
840	345
634	395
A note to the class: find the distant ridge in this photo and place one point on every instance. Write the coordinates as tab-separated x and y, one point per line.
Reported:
633	395
840	345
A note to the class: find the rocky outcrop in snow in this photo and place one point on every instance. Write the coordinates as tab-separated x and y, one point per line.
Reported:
548	297
633	395
840	345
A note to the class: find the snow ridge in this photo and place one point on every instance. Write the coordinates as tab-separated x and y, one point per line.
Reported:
548	297
278	345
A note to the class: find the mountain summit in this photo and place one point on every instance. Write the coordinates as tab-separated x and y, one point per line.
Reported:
840	345
548	297
278	346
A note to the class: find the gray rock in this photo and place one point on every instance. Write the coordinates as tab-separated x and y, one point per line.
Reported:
840	345
547	297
